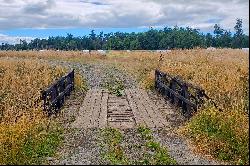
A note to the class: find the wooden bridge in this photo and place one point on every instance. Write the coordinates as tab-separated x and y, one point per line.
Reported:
102	109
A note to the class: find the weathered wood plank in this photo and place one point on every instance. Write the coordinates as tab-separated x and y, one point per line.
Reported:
104	110
125	125
94	108
149	107
97	109
141	108
120	112
88	116
137	115
82	120
177	95
133	109
156	114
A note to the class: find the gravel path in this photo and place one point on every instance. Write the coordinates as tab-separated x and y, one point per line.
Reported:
81	147
97	73
89	152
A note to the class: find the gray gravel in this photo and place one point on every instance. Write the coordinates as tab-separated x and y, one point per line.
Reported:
97	74
80	148
179	150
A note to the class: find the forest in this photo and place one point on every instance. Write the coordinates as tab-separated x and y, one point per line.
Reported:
153	39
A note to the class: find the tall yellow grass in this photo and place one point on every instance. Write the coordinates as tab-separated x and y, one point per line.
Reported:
20	118
63	55
21	83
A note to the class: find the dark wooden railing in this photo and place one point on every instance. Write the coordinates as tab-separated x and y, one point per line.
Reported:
54	96
183	94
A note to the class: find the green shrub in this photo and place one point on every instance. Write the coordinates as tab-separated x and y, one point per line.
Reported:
222	134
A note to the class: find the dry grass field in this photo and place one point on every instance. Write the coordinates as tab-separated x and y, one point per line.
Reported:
25	132
222	73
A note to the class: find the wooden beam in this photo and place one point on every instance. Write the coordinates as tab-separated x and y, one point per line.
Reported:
161	85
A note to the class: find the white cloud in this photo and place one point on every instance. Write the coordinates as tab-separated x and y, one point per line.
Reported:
120	13
13	39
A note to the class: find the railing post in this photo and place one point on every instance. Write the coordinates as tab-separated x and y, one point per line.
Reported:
73	77
200	94
156	79
61	90
44	98
164	80
173	87
185	93
57	94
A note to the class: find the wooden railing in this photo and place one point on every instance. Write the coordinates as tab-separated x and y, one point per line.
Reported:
54	96
183	94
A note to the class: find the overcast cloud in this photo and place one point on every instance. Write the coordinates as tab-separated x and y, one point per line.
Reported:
202	14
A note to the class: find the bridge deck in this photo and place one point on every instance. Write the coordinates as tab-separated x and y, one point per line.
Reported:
102	109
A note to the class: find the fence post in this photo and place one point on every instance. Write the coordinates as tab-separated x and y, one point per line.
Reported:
57	94
164	80
72	79
173	87
44	98
185	93
62	89
156	78
200	94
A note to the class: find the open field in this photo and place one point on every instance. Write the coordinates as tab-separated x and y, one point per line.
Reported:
222	73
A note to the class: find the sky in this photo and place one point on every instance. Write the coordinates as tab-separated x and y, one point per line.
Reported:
29	19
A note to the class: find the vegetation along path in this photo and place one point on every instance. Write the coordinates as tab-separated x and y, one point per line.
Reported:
116	122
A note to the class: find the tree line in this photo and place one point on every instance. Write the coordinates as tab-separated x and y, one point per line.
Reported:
166	38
